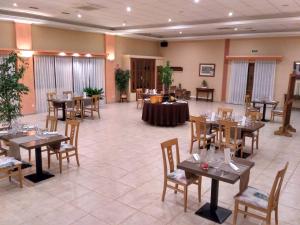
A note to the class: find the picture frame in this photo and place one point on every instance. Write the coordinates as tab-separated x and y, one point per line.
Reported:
207	69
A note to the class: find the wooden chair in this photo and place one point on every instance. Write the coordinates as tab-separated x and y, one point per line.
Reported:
94	107
12	170
69	148
228	136
254	117
76	109
249	107
276	112
139	98
225	113
260	201
51	108
199	132
176	176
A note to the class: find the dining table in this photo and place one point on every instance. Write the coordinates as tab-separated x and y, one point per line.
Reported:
31	139
62	103
264	103
218	171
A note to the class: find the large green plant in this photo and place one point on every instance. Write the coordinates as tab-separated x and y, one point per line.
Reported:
93	91
166	75
122	80
11	90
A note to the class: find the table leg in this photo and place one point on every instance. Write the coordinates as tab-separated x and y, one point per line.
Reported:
40	175
212	96
207	96
197	95
264	113
212	211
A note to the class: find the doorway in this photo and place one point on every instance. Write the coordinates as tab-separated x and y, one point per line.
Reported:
250	79
142	73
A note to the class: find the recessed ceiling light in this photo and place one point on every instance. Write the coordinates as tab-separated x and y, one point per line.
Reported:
128	9
235	29
196	1
124	24
169	20
180	32
284	5
76	55
15	4
79	15
62	54
230	14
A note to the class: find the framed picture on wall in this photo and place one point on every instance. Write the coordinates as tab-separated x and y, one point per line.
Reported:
207	70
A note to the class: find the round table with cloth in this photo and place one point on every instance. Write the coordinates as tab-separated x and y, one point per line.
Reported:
170	114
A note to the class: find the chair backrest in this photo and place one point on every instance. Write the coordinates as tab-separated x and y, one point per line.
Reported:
65	93
254	115
167	153
51	123
77	103
50	97
230	129
72	130
275	191
198	124
139	93
95	101
225	113
275	105
247	100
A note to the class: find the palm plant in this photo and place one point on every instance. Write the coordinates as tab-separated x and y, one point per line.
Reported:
122	80
166	73
11	90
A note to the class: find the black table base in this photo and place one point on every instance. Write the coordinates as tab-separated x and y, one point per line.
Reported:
25	165
218	215
35	178
212	211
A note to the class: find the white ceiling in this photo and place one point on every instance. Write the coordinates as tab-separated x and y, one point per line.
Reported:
149	18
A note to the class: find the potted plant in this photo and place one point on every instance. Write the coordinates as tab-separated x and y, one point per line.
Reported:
204	84
93	91
166	76
122	81
11	89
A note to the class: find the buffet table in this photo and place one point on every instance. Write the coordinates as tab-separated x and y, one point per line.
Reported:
166	114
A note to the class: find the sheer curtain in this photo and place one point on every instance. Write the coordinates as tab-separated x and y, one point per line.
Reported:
81	71
238	82
63	74
44	80
264	80
97	73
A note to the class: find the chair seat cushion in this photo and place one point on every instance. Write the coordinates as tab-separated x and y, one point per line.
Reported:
65	147
238	141
208	136
7	162
254	197
279	111
179	176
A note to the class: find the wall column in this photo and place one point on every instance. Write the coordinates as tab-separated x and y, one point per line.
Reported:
225	70
110	65
24	42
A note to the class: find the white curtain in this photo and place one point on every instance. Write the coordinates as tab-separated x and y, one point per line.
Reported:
238	82
63	74
97	73
44	80
264	80
81	71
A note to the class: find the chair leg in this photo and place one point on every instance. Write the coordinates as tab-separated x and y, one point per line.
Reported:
268	219
252	146
29	151
60	162
176	187
77	157
246	210
68	157
235	213
49	158
185	197
164	191
257	139
99	114
92	114
191	149
276	215
20	176
199	188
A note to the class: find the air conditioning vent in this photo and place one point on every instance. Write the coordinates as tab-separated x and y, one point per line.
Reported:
224	28
90	7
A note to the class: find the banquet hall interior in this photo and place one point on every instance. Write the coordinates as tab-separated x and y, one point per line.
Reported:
175	112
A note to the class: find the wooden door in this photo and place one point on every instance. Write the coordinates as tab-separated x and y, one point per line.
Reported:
142	73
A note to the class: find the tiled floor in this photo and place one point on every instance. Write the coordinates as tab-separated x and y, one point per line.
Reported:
120	177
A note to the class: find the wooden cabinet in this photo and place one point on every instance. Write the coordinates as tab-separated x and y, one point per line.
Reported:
142	73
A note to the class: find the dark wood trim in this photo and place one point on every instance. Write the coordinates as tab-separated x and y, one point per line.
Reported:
255	57
225	69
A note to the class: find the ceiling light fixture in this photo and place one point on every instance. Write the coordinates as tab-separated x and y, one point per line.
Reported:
235	29
75	55
124	24
88	55
62	54
230	14
196	1
169	20
15	4
128	9
180	32
79	15
26	53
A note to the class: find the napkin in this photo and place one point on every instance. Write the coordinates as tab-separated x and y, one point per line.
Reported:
244	121
213	116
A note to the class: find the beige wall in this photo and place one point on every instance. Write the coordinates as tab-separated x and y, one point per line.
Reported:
53	39
8	35
286	47
132	46
189	55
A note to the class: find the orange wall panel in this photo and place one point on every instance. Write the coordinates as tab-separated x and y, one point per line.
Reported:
110	87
